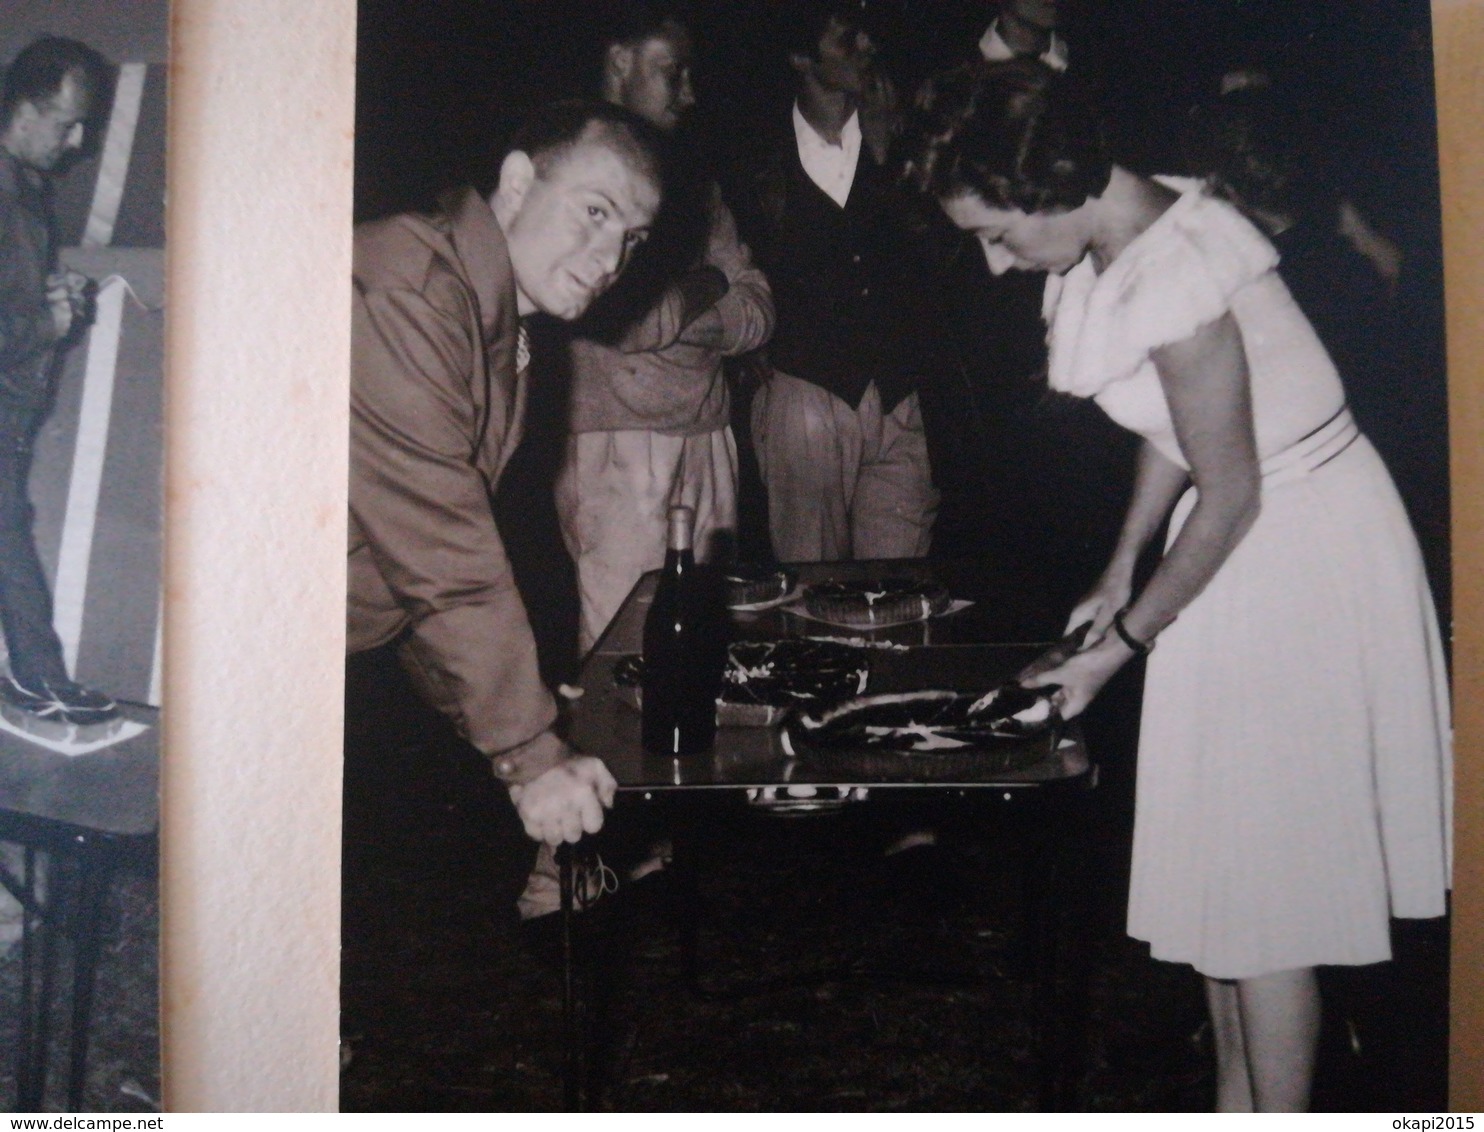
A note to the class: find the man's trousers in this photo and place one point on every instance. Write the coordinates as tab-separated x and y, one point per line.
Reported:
25	601
614	495
842	483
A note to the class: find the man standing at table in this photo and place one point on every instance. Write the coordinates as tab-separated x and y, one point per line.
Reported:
437	399
48	94
650	409
836	425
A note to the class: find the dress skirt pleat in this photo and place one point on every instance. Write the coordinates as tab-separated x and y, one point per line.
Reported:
1294	781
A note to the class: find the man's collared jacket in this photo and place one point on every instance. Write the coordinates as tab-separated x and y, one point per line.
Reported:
436	412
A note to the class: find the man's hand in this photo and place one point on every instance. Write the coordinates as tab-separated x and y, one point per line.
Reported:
69	294
59	300
565	802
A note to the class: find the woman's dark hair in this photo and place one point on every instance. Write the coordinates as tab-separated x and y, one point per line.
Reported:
1015	134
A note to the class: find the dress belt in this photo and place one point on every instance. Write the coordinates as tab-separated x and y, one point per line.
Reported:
1311	452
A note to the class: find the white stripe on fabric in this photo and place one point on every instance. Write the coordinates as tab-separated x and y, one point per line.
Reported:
118	148
81	515
156	667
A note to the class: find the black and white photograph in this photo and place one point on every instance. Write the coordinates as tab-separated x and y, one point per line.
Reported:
898	557
82	193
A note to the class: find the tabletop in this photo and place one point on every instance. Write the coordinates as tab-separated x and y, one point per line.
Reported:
972	650
112	791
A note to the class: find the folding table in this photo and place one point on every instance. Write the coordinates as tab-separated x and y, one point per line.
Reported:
971	650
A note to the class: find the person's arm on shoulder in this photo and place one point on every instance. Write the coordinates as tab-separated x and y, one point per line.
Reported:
1205	383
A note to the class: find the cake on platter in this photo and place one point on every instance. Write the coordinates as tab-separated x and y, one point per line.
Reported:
763	680
875	603
927	734
750	585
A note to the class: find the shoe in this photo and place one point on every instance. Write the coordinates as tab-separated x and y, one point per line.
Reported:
591	881
61	701
660	857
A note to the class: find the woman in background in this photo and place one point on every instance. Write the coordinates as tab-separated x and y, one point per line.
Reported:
1294	759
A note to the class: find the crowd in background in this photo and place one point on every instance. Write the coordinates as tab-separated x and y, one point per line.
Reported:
1328	106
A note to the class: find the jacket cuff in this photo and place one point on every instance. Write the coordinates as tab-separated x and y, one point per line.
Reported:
528	761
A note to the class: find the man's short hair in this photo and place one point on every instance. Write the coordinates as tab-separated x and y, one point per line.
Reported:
628	23
549	134
802	23
37	74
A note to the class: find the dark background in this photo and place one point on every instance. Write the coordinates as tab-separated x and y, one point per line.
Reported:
441	87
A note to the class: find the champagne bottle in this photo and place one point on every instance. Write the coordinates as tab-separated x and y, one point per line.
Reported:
684	651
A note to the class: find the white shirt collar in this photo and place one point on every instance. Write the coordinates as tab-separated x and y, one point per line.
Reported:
830	166
994	48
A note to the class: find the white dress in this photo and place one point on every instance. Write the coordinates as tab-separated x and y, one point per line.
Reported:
1295	764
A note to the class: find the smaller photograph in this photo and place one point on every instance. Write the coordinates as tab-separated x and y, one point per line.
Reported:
898	558
82	233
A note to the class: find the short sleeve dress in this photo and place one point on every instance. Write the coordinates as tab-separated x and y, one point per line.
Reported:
1295	762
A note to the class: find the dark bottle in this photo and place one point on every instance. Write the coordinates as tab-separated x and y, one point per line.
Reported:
684	651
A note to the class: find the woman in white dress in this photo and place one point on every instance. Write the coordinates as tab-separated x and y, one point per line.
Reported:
1294	779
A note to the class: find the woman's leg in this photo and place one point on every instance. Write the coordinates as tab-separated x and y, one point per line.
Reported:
1233	1086
1280	1030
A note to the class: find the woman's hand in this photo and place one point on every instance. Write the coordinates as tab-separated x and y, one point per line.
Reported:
1082	677
1087	625
1111	594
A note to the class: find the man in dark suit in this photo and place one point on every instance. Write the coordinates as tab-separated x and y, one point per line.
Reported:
836	424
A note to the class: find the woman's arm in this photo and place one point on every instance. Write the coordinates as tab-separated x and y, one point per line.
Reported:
1205	382
1157	483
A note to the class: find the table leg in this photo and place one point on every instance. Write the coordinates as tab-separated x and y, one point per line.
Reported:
28	1096
1057	926
51	932
95	872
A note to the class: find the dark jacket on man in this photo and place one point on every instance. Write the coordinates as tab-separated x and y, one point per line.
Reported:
27	332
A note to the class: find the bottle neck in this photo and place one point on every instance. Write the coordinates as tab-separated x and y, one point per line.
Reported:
679	535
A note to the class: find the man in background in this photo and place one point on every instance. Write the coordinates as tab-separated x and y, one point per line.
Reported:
650	407
836	425
48	94
438	395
